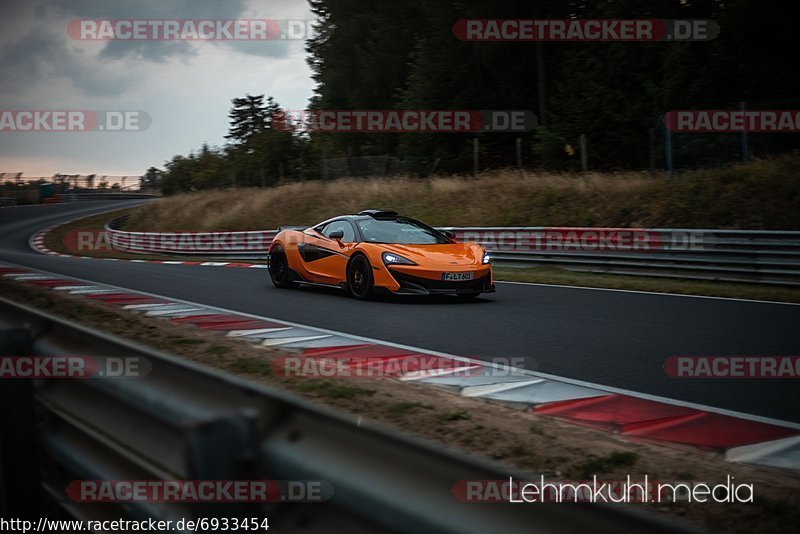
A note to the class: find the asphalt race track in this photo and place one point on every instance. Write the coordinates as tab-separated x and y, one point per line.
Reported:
619	339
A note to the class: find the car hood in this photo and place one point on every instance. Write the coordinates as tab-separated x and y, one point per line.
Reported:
449	254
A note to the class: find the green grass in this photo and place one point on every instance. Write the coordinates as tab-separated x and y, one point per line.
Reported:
187	341
599	465
333	390
253	366
404	407
552	275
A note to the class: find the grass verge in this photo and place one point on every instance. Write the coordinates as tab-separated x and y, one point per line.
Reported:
554	276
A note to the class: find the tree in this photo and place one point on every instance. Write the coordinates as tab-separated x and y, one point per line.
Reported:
151	178
249	116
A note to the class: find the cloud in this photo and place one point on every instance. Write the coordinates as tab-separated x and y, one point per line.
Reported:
158	51
178	9
39	57
185	87
44	50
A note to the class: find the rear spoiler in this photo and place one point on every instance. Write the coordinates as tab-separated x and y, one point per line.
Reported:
298	228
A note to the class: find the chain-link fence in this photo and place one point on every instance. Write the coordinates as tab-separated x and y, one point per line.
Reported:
679	150
375	166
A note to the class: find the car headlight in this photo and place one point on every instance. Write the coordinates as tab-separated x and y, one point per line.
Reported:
486	258
390	258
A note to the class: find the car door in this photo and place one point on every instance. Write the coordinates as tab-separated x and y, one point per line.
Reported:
325	259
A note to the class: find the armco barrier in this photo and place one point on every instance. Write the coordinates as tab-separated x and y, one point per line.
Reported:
760	256
8	201
187	422
251	244
81	197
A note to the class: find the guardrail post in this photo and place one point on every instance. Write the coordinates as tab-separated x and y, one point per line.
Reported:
225	449
20	480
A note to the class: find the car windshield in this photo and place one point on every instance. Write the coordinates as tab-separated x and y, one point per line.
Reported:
400	231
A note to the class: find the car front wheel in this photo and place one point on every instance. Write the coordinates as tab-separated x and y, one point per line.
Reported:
359	277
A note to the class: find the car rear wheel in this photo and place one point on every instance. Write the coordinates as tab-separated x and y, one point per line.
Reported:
279	269
359	277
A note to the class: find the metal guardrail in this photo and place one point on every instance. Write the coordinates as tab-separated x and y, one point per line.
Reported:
760	256
187	422
8	201
252	244
80	197
756	256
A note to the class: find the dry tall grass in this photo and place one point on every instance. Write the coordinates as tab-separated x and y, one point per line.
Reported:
764	194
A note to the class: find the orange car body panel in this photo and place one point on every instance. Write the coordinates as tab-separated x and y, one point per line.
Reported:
431	260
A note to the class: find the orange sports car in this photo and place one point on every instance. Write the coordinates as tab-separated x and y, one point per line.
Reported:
379	251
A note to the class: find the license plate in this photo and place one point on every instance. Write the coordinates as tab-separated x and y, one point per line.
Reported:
456	277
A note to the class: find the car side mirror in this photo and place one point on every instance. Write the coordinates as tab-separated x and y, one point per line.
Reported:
449	234
337	235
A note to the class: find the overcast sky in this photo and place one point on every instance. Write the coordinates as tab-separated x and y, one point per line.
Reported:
185	87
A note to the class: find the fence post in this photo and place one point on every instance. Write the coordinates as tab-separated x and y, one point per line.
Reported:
475	161
745	154
324	164
302	170
584	155
652	133
519	153
668	135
